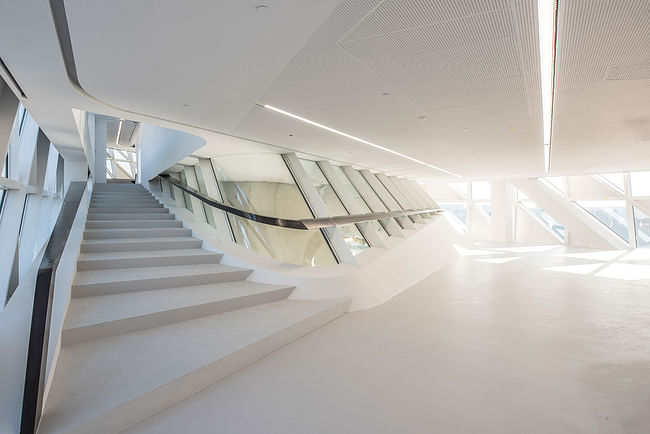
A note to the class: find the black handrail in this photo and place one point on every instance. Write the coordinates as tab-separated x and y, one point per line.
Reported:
42	310
301	224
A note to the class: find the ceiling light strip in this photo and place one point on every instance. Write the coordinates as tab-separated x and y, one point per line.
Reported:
547	28
357	139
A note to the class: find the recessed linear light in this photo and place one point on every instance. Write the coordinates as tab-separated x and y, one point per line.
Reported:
546	16
357	139
119	131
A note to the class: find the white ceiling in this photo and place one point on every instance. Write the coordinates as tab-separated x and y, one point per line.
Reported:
470	67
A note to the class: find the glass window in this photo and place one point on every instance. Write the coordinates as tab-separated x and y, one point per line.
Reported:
381	207
642	227
611	213
186	197
351	234
486	207
481	190
456	212
261	183
365	209
202	188
544	218
640	182
617	180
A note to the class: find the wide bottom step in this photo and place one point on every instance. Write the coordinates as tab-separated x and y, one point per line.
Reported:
108	385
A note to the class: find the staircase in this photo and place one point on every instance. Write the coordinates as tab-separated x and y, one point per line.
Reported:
154	317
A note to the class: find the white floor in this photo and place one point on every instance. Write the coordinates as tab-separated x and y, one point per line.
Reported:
538	340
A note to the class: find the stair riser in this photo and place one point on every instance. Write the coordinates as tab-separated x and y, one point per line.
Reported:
126	216
111	234
125	196
107	264
158	283
132	203
128	414
128	325
151	245
135	224
139	210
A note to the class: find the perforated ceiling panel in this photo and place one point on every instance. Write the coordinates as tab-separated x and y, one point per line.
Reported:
438	80
602	98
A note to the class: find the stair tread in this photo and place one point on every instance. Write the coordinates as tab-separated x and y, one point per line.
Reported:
136	240
99	309
92	256
96	376
90	277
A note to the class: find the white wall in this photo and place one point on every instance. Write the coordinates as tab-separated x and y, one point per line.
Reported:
161	148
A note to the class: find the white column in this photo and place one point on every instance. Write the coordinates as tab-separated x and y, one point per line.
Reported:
100	150
503	208
8	108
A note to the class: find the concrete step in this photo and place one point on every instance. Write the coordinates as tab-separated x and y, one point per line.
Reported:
129	216
104	316
107	385
114	196
97	234
113	281
139	244
123	202
118	187
129	210
146	258
124	224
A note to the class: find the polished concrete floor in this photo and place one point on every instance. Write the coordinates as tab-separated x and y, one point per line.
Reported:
522	340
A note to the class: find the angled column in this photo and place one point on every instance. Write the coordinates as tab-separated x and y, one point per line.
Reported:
368	229
386	198
8	108
319	209
372	199
220	218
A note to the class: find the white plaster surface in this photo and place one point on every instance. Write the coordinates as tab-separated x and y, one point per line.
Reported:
477	347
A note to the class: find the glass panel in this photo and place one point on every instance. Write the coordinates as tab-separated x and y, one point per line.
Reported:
640	182
351	234
352	191
261	183
486	207
481	190
557	182
617	180
642	226
611	213
381	206
546	219
353	238
126	167
324	189
456	212
186	197
202	188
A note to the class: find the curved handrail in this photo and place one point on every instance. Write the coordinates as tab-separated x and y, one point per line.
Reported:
301	224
